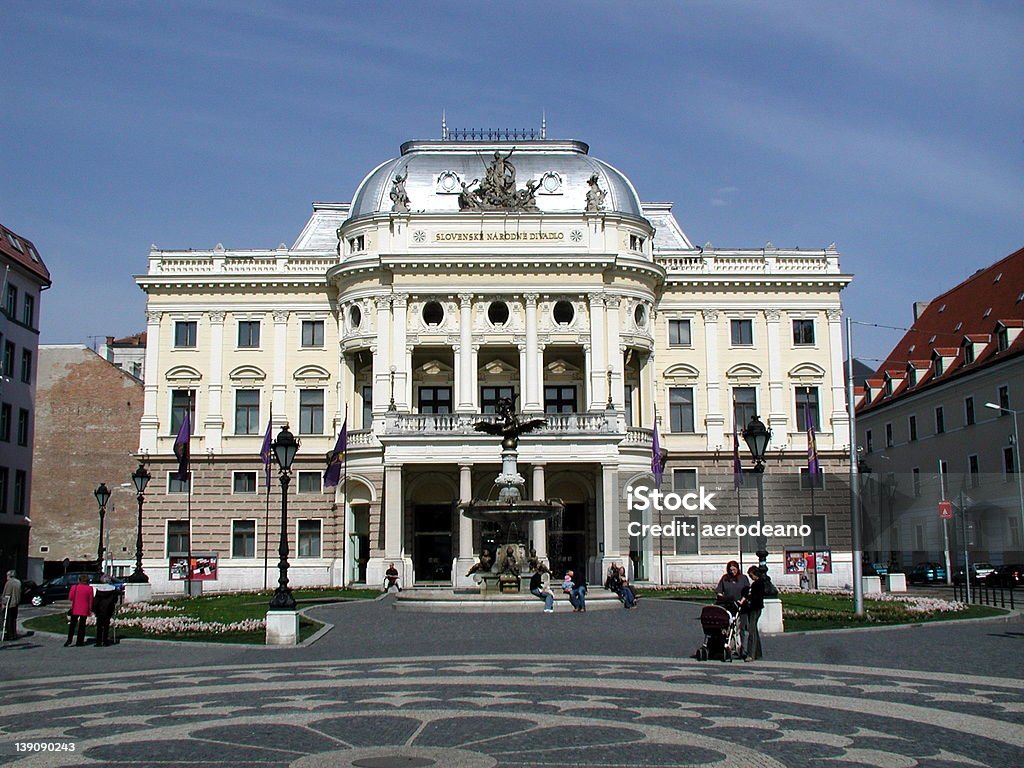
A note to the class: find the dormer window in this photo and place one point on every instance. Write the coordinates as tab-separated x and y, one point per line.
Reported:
912	376
1003	339
968	352
357	244
888	386
939	365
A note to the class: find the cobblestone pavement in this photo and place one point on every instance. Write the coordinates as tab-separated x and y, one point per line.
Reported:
520	691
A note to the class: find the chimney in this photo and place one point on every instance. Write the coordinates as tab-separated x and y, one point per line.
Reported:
919	308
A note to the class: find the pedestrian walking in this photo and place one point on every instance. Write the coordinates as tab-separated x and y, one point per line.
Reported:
10	599
104	603
751	606
81	607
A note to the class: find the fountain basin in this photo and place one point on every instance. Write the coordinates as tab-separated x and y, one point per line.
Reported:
505	512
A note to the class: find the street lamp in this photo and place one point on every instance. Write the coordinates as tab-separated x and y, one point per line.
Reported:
102	495
890	484
140	479
757	436
1016	447
284	447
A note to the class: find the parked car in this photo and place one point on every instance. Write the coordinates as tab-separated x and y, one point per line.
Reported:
58	588
979	571
1011	575
927	573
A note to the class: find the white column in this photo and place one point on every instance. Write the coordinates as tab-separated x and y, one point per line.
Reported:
532	401
840	418
778	415
345	389
280	380
598	366
523	380
149	425
466	556
715	419
403	374
609	510
539	528
382	357
467	358
213	423
393	512
643	412
615	359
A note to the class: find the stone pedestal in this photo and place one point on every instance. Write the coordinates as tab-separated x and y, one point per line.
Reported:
771	617
896	582
193	588
138	593
872	585
282	628
459	568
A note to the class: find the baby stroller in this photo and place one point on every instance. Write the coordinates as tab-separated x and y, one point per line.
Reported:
721	632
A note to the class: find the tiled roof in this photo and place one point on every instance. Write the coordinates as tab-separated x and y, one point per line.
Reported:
135	340
973	310
24	253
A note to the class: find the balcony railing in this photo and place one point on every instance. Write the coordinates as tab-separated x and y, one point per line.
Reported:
462	423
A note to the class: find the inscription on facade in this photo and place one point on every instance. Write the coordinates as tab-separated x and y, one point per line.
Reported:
453	237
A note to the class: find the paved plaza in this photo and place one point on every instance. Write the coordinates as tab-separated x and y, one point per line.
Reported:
390	687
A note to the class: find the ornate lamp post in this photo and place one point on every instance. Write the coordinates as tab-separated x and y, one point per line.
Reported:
102	495
140	479
757	436
890	484
284	447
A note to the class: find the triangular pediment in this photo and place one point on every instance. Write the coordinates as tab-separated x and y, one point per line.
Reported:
561	368
435	368
499	368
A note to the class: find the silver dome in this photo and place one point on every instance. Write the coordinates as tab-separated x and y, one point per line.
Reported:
436	170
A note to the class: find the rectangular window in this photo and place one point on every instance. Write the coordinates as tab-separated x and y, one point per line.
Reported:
803	332
9	350
868	445
968	353
243	538
742	333
4	479
28	310
490	396
174	485
684	479
744	406
687	545
5	422
968	411
888	435
434	399
1013	531
679	333
975	471
919	537
311	412
627	394
182	401
367	407
912	427
940	421
247	412
559	399
917	481
1002	340
309	482
185	333
680	409
20	489
248	333
243	482
357	244
748	543
1004	399
11	301
312	333
819	532
309	538
807	406
805	479
177	538
1009	462
23	426
26	366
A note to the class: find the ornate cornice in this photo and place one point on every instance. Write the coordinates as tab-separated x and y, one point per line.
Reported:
280	315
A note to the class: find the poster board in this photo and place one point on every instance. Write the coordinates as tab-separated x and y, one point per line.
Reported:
204	567
800	560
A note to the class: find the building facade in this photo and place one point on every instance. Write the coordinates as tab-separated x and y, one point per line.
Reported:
462	272
25	277
937	423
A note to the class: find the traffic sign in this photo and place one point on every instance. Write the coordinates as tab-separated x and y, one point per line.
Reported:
946	510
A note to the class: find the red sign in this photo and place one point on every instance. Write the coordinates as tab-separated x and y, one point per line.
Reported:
204	568
946	510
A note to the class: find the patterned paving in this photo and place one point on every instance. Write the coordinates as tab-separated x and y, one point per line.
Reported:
517	713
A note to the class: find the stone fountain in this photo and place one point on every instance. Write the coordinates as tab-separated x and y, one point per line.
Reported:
510	568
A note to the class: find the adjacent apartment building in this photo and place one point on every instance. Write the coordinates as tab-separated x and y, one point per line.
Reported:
463	271
24	278
939	421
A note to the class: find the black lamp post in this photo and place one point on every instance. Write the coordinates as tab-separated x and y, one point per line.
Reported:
757	436
140	479
890	484
285	447
102	495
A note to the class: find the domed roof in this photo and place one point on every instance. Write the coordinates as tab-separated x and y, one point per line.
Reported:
435	172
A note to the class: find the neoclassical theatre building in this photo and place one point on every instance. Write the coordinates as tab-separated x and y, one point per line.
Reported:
466	270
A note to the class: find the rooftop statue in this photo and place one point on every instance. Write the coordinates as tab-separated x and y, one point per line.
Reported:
399	198
497	191
595	195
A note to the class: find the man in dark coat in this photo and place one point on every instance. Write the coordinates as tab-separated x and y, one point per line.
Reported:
104	603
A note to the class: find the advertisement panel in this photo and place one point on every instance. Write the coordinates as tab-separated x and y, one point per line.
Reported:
204	567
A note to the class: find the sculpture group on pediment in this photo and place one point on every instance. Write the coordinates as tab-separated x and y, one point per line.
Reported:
497	190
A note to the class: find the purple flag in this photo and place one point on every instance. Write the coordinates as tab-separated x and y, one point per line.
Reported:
181	448
812	448
657	460
737	465
266	452
332	475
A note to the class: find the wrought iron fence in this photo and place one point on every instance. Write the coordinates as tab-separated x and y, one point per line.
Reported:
985	594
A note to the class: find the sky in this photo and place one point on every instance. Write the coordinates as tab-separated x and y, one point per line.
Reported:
892	129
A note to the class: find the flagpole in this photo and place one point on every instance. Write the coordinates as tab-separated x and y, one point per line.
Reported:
266	483
344	508
188	502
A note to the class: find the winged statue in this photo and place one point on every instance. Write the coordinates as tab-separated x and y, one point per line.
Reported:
508	426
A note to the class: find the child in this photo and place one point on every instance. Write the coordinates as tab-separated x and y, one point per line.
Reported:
567	583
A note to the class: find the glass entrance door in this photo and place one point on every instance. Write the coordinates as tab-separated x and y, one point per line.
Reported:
432	543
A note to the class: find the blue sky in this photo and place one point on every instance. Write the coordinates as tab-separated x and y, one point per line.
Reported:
892	129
